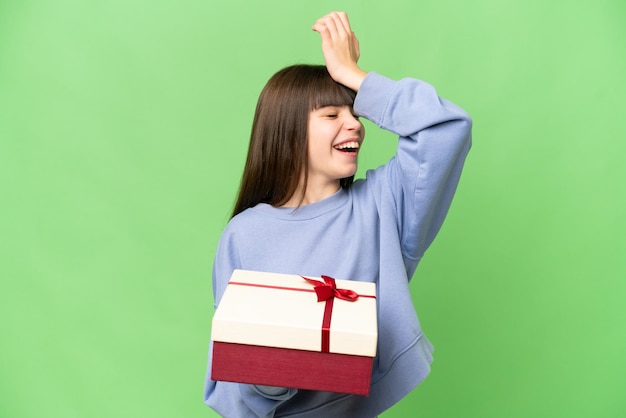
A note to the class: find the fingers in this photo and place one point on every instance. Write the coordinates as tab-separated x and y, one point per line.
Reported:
335	24
340	48
335	29
343	18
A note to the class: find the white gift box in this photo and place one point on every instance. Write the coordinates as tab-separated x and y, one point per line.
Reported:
270	329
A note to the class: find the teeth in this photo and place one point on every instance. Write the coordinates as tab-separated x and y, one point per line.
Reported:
351	144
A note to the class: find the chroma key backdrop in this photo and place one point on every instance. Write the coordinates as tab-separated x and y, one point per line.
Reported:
123	132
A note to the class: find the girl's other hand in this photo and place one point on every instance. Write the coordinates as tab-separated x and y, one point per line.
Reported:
341	49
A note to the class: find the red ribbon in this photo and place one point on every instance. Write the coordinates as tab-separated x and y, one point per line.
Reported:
328	291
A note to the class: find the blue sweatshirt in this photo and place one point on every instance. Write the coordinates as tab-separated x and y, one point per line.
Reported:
377	231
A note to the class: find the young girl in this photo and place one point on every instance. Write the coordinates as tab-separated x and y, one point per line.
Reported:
299	211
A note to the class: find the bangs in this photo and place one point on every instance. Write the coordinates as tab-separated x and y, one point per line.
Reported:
330	93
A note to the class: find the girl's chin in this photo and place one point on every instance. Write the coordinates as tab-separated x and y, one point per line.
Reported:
348	172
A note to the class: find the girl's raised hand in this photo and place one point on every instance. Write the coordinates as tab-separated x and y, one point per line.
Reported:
341	49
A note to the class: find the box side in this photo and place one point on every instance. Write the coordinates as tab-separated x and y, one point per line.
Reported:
266	334
273	366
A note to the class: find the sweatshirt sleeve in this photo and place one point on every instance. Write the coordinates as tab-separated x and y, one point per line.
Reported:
434	139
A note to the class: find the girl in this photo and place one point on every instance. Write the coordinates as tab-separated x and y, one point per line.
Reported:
299	211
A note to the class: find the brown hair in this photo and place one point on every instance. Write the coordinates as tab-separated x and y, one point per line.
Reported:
277	153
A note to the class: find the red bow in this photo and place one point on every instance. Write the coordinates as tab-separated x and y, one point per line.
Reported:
328	290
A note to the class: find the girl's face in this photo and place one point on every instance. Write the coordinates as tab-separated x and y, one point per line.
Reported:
335	137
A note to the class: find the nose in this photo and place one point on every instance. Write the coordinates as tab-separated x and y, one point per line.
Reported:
353	123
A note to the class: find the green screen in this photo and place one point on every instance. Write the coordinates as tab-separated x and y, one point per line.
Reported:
123	132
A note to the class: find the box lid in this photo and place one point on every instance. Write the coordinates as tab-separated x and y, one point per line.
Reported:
282	310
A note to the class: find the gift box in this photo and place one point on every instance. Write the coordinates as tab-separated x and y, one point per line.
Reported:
295	331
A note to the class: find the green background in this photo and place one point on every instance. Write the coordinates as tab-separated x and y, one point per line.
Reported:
123	131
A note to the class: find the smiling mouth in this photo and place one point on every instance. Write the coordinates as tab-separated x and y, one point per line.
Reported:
348	147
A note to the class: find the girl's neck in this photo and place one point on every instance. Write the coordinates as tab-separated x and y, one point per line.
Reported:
313	194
